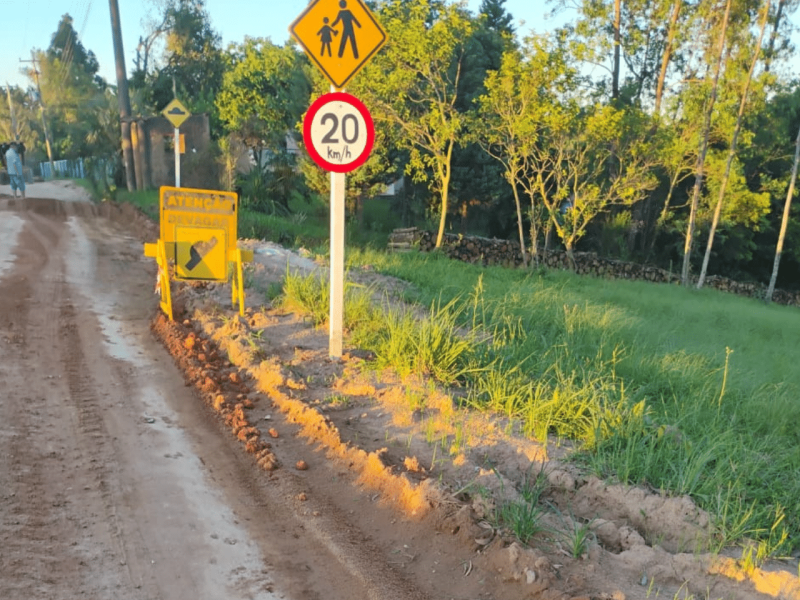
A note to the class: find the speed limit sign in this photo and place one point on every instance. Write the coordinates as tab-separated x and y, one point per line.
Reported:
338	132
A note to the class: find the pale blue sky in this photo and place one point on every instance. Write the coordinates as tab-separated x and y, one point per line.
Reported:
29	24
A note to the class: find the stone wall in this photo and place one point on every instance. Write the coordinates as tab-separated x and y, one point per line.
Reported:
484	251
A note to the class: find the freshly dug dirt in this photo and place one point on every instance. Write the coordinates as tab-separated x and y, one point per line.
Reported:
248	464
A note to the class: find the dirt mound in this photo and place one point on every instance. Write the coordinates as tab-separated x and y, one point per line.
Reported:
445	473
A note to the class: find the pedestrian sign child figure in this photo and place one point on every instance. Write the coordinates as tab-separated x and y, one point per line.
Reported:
348	33
325	37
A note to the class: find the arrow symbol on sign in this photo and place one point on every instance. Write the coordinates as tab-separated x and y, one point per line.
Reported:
198	251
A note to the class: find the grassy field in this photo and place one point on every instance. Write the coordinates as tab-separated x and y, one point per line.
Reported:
687	392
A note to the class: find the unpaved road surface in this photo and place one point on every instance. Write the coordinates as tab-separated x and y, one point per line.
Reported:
227	458
114	482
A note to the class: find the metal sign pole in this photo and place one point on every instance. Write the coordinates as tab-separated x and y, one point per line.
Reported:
177	157
338	186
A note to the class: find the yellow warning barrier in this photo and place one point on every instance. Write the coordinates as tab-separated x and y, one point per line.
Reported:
198	236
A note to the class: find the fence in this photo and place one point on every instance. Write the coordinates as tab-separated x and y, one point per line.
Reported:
78	168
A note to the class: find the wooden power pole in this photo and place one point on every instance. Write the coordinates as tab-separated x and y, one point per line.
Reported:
123	97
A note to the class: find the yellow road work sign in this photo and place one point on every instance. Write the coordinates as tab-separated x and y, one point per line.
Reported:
201	253
176	113
187	207
340	36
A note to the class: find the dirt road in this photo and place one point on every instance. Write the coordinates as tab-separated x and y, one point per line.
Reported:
114	482
121	475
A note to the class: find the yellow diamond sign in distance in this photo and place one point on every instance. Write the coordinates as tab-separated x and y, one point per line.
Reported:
340	36
176	113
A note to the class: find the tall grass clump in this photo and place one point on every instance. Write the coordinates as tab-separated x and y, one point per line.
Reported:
432	344
689	392
309	295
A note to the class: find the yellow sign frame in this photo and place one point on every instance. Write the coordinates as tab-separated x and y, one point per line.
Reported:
176	118
187	217
359	37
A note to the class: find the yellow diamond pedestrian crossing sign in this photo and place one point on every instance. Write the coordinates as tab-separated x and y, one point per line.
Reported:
340	36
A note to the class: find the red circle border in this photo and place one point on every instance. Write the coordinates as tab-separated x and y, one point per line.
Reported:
315	107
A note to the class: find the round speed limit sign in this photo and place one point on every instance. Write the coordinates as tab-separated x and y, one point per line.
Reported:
338	132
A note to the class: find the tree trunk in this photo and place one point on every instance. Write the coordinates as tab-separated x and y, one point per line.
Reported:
784	221
519	224
701	158
444	176
771	48
617	22
665	58
732	151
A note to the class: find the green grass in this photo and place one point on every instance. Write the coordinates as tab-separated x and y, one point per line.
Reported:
144	200
689	392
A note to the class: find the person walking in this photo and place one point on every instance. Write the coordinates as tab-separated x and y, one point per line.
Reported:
15	172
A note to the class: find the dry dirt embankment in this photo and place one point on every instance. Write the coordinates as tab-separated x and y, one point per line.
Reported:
404	491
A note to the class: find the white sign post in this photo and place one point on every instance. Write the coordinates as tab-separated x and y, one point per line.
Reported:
177	157
339	133
336	316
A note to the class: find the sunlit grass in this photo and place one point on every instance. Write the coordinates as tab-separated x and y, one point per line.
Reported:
689	392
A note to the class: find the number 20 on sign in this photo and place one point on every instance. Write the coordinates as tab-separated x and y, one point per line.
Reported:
338	132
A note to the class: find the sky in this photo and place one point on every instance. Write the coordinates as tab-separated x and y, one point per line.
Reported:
30	24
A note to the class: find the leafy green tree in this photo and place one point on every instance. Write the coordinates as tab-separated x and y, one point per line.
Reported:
71	91
413	86
264	92
193	62
512	119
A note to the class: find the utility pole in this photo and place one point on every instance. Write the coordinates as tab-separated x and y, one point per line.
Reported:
11	110
122	96
43	111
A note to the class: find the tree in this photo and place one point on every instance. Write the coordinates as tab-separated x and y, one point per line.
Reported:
264	92
571	166
71	90
732	151
511	119
193	63
413	86
263	95
701	156
784	221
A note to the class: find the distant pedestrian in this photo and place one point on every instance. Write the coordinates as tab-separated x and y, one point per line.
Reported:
325	37
15	172
347	19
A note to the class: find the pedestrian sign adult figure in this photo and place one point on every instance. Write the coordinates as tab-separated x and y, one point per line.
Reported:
348	33
325	37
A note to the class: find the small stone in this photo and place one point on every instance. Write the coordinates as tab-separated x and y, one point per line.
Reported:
302	497
234	377
272	432
301	465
